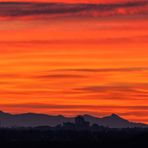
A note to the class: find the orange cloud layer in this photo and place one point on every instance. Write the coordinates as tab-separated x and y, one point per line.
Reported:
73	66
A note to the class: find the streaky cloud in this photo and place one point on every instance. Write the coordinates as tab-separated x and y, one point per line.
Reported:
70	106
27	9
130	69
60	76
116	87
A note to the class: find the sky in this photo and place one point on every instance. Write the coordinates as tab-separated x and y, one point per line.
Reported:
75	59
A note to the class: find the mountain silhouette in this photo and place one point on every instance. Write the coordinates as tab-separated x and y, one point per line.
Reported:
33	120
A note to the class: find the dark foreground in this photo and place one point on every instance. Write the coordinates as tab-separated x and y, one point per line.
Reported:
73	138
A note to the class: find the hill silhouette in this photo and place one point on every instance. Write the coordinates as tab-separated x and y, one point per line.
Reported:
78	134
34	120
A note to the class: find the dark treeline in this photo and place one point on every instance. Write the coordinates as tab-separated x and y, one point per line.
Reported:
78	134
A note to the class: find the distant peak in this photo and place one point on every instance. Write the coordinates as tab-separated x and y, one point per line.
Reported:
87	115
60	116
115	116
1	112
4	113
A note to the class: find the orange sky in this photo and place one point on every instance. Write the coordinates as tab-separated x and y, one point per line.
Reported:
75	66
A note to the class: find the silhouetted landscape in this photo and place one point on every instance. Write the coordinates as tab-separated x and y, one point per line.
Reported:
73	73
34	120
81	131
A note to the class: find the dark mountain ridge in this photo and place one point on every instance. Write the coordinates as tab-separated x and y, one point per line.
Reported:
34	120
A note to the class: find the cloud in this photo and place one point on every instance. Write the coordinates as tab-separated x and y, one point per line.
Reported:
21	9
69	106
130	69
3	76
95	89
60	76
136	113
134	88
109	40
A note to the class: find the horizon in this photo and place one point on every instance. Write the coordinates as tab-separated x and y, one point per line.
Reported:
54	115
73	116
74	59
59	114
30	119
